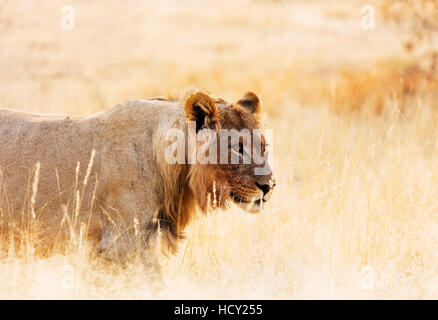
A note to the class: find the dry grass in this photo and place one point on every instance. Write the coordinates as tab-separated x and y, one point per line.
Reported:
355	212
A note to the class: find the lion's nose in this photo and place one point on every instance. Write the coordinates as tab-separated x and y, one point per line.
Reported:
264	187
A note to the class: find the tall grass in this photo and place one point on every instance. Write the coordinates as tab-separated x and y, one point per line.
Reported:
354	213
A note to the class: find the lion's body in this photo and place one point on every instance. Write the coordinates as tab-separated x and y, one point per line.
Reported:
127	166
107	174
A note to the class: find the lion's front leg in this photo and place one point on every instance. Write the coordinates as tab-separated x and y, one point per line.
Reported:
128	238
129	246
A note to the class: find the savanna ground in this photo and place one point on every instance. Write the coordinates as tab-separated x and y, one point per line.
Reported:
355	210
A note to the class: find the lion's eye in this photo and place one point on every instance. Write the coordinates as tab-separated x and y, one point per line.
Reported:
238	148
264	150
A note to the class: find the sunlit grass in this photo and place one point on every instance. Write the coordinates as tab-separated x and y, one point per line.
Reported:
354	213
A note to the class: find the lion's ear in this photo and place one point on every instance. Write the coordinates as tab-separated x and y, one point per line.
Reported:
251	102
201	108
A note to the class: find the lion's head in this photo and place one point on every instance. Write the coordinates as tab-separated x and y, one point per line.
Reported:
232	160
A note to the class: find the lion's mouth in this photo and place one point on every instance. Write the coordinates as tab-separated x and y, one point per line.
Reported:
250	205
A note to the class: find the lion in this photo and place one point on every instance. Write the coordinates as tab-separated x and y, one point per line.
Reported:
107	173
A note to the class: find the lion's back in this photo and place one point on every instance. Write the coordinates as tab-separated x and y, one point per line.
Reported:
56	142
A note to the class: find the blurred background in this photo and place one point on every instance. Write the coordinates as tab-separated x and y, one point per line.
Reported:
350	89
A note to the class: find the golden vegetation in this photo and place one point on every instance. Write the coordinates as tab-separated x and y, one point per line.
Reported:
376	88
354	213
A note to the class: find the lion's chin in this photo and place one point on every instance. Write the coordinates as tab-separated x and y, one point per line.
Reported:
252	206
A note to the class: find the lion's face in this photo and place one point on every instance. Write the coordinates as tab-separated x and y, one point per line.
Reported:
241	173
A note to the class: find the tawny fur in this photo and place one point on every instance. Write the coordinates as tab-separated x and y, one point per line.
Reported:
130	182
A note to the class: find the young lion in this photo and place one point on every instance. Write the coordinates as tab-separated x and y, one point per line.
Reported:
107	174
